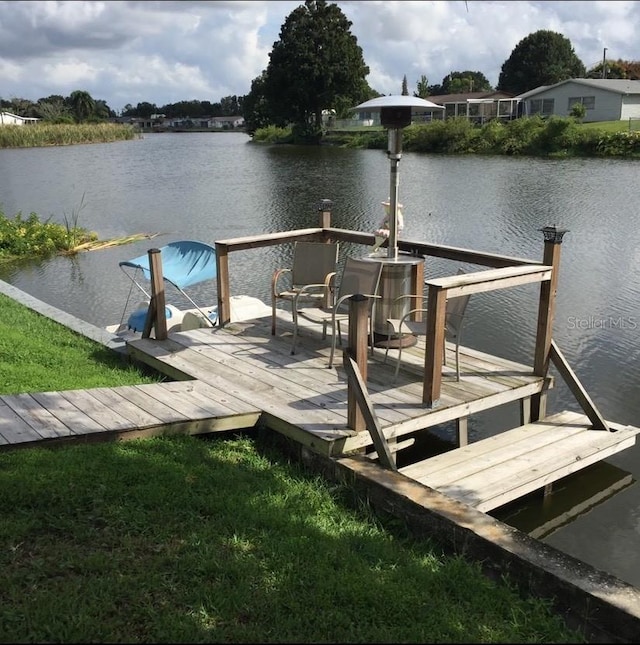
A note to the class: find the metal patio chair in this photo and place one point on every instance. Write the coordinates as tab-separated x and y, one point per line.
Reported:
454	318
358	276
313	266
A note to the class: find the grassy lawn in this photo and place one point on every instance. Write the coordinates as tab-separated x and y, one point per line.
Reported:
610	126
216	539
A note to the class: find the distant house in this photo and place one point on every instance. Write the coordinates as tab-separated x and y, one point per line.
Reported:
6	118
604	99
226	122
476	106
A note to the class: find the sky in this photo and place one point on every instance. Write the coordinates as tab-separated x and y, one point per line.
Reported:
170	51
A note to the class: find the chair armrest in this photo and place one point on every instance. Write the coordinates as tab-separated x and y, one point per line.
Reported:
397	324
277	274
307	288
329	284
404	296
350	295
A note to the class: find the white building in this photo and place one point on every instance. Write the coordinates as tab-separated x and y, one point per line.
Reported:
604	99
6	118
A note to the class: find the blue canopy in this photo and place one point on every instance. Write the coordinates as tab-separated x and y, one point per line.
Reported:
184	263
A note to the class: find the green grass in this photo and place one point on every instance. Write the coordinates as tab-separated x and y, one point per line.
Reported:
607	127
189	539
39	355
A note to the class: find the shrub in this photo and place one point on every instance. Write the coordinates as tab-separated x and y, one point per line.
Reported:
619	144
578	111
20	237
273	134
491	137
559	135
522	136
452	135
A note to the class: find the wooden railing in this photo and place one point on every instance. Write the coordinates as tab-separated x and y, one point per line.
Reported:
505	271
440	290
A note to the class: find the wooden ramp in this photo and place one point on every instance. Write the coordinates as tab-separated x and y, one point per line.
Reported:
493	471
189	407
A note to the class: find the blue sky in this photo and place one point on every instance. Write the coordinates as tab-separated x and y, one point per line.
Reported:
169	51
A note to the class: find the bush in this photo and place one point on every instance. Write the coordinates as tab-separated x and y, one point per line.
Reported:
491	137
273	134
20	237
522	136
452	135
559	135
578	111
619	144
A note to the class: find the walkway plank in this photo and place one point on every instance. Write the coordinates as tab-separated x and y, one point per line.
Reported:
46	424
491	472
73	417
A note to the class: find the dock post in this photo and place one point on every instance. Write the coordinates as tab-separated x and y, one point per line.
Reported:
222	277
358	348
546	310
157	315
324	208
436	312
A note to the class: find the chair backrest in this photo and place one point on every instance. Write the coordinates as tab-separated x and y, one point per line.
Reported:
454	311
359	276
312	261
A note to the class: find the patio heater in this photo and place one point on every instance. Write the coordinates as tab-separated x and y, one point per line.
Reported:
399	272
395	114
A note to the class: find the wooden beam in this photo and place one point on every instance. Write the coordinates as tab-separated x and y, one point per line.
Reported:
583	398
435	343
357	385
546	313
222	278
358	348
157	308
492	279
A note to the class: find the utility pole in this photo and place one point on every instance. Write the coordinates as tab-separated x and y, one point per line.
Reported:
604	63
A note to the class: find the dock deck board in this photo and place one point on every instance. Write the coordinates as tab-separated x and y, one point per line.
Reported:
494	471
231	378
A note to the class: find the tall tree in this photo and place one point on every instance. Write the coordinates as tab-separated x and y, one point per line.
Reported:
255	108
616	69
542	58
54	109
405	87
463	82
422	88
82	105
316	60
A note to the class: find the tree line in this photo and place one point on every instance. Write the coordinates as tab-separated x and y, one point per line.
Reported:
317	65
81	107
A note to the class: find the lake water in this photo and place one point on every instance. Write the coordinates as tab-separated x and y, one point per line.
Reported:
215	186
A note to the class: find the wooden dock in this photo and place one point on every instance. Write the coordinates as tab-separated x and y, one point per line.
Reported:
240	375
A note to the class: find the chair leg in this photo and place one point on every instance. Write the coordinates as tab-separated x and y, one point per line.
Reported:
395	376
457	360
333	344
295	330
273	316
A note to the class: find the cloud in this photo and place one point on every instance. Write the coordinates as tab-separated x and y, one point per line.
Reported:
164	52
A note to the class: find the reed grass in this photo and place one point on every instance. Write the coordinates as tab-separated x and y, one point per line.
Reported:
63	134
